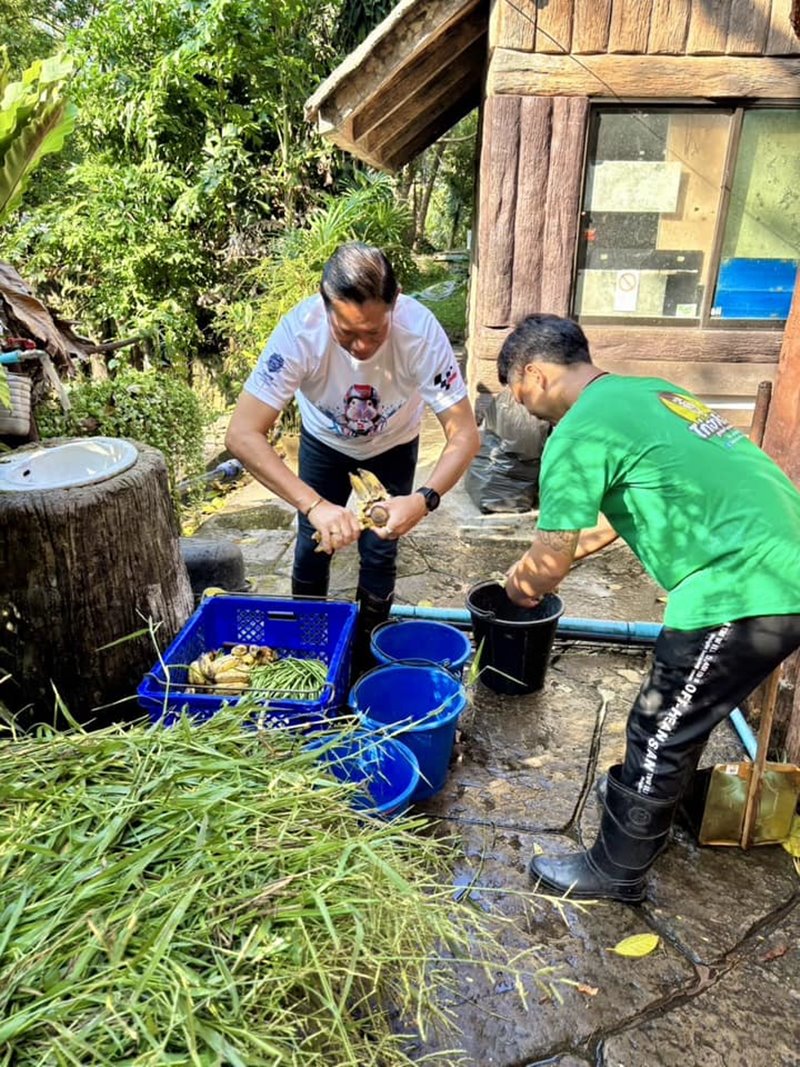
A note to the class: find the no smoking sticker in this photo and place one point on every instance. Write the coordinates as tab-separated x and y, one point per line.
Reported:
626	290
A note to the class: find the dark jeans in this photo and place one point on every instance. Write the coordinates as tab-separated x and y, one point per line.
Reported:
326	471
697	678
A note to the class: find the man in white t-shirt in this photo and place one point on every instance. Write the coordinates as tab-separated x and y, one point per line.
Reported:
362	360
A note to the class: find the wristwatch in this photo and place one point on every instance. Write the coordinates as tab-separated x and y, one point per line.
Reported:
432	498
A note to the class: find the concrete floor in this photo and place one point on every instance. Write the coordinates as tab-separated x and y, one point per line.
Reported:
723	988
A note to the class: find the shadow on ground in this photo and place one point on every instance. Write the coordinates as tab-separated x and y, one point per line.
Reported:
723	988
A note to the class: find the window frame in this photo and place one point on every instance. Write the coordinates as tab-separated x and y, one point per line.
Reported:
737	108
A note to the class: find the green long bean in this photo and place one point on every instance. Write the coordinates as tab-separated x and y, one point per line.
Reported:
290	676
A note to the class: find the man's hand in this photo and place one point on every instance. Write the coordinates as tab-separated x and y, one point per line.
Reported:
336	526
404	514
518	590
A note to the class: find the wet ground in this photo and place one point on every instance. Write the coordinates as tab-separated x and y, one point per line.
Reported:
723	987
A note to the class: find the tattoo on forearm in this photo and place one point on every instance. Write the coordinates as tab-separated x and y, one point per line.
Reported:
559	540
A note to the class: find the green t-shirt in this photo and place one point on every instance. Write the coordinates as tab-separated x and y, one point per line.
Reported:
712	518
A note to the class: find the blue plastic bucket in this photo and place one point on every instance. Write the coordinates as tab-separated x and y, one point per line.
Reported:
420	705
420	639
385	766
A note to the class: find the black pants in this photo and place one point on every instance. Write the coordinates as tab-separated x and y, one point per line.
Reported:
327	471
697	678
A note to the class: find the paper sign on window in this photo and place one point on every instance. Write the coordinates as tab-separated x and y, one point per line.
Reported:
626	291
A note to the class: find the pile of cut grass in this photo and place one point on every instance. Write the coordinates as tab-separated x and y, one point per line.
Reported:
206	895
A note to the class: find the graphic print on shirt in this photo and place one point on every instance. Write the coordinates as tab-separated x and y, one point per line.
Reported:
703	420
361	414
444	381
267	370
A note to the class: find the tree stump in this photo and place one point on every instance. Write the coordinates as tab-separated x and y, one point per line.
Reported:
82	569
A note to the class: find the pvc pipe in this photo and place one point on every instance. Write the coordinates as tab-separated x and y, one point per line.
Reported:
581	630
627	631
746	735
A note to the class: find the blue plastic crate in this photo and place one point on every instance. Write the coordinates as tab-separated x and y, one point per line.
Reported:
304	629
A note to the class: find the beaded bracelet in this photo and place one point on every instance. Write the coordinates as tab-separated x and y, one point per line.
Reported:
311	507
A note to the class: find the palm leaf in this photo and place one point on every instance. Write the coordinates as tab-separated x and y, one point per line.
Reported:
42	135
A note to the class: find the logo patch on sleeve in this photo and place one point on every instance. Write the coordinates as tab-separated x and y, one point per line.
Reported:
444	381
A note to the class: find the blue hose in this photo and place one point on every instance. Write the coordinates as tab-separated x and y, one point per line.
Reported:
581	630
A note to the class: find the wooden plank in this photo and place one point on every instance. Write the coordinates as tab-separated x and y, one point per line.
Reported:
685	77
708	27
726	383
412	27
400	91
427	101
591	27
568	140
782	432
782	39
669	24
517	24
709	379
652	344
554	27
435	124
782	442
532	176
498	205
748	27
630	26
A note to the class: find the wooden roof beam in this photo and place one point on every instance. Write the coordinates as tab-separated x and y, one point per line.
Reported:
407	32
430	99
434	127
672	77
417	75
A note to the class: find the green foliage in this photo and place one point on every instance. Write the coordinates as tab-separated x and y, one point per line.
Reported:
33	28
367	211
451	313
450	214
35	119
191	153
357	18
155	408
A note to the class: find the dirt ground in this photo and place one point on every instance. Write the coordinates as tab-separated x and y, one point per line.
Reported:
723	988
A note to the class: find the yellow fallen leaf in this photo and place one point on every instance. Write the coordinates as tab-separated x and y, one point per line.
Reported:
792	842
537	850
637	945
425	604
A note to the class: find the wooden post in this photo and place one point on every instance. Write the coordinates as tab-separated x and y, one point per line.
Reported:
760	413
782	442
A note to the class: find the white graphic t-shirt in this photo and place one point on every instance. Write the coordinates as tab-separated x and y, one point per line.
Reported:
359	407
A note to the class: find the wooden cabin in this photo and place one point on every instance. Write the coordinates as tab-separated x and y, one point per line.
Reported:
639	169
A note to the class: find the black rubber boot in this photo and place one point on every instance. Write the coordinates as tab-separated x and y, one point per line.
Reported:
633	832
303	588
372	611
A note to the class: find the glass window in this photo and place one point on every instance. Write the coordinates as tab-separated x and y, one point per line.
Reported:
659	240
761	246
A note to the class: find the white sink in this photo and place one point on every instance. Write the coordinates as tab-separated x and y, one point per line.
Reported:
80	462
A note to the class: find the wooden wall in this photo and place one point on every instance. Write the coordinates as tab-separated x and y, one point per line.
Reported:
652	27
546	62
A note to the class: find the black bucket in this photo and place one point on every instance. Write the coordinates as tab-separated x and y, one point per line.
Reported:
513	644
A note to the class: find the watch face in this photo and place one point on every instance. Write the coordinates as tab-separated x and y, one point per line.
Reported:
432	498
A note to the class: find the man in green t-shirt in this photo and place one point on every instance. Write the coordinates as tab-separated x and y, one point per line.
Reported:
712	519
